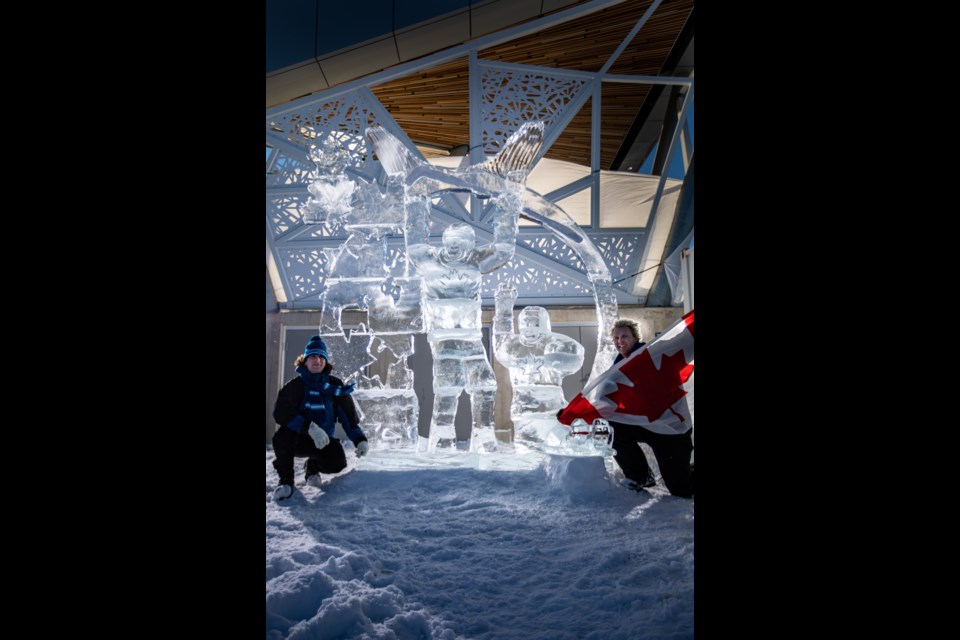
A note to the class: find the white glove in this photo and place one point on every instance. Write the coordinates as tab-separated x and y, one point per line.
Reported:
320	437
362	449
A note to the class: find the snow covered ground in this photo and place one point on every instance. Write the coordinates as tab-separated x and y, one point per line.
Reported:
457	545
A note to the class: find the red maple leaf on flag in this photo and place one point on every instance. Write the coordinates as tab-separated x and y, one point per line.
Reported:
654	390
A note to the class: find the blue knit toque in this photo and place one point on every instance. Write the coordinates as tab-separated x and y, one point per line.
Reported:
315	347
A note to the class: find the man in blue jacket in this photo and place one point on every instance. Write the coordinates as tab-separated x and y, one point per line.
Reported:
307	410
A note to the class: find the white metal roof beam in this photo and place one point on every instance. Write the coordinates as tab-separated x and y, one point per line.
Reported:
631	79
584	75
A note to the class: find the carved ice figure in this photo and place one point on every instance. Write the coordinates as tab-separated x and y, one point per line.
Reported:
362	275
450	275
450	278
491	179
331	190
538	360
390	407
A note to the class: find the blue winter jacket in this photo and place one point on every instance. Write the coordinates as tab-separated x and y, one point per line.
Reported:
319	398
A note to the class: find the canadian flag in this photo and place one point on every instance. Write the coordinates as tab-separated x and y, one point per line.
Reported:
653	387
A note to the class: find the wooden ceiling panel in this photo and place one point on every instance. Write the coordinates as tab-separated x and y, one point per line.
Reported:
619	106
433	106
583	44
649	49
573	145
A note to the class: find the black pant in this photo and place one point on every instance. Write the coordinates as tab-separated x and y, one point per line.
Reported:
672	454
288	443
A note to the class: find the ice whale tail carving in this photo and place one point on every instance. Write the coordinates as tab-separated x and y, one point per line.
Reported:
519	152
392	153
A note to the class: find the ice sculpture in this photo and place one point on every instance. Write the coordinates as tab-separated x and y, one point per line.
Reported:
361	275
441	294
537	360
331	189
390	408
451	274
582	439
450	300
496	177
350	355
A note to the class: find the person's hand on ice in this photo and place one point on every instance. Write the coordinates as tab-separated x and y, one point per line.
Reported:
362	449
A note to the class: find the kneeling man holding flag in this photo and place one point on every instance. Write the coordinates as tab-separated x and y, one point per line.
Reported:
647	396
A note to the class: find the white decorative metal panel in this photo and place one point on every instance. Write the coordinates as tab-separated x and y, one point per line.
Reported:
321	232
288	170
283	214
304	269
508	99
532	280
551	247
621	252
346	117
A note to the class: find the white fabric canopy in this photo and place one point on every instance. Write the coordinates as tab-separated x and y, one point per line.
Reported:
625	198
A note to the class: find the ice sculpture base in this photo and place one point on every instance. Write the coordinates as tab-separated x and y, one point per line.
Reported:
389	417
542	432
579	477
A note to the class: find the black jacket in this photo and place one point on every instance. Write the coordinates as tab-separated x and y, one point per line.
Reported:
292	411
620	356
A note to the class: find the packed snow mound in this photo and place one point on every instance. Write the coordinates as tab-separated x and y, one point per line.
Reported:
464	546
580	478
